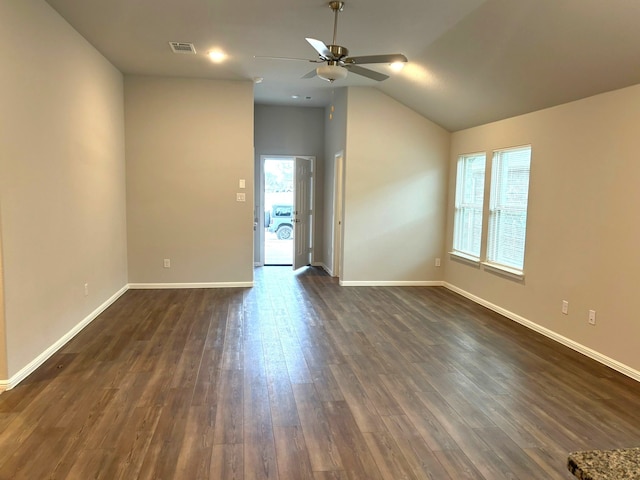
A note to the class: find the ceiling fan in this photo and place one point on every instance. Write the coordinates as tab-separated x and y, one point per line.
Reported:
336	59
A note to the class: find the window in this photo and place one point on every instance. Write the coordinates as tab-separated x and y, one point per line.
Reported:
467	225
508	208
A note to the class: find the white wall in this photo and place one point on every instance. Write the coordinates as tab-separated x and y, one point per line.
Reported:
583	225
395	191
61	179
188	143
286	130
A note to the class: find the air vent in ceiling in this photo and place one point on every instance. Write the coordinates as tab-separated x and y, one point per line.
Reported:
181	47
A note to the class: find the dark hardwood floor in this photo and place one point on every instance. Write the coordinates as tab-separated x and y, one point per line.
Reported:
298	378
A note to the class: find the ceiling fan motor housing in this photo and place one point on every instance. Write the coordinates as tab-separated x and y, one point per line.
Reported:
337	51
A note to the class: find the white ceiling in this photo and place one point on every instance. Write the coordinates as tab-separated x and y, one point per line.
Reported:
470	61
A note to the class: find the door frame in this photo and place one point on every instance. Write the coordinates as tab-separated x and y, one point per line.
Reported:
337	224
260	194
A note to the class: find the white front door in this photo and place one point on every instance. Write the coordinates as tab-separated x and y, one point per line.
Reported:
303	213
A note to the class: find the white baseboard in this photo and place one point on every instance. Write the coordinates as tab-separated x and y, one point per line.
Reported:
163	286
567	342
391	283
44	356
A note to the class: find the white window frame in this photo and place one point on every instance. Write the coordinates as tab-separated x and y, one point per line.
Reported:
465	229
508	199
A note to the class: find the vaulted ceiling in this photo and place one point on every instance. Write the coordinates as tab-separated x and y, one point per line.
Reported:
470	61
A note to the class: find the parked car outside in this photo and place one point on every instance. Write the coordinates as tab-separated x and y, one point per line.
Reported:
279	221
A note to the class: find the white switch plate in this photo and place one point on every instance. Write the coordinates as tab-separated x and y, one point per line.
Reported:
240	197
242	183
437	262
592	317
565	307
86	289
167	263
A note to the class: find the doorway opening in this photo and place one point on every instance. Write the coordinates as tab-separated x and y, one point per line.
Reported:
278	210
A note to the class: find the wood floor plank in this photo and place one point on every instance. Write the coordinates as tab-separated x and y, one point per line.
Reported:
227	462
300	378
364	410
415	450
194	458
323	452
161	457
292	454
284	412
357	459
431	430
259	444
389	457
229	413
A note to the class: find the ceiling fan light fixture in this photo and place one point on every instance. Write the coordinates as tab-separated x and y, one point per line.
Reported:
331	73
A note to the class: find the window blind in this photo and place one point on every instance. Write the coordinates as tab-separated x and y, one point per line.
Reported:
467	227
508	207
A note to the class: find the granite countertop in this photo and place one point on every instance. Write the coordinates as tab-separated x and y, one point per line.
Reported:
620	464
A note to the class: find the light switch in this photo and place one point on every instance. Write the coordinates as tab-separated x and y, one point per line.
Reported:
242	183
240	197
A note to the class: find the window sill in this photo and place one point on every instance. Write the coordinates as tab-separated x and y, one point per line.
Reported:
502	270
466	258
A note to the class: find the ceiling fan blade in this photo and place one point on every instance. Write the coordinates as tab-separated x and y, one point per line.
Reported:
389	58
287	58
311	74
365	72
320	47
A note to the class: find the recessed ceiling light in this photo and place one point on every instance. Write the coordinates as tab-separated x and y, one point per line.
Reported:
295	96
397	66
217	56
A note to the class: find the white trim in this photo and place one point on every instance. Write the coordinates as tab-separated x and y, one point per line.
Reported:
389	283
567	342
503	270
164	286
44	356
465	257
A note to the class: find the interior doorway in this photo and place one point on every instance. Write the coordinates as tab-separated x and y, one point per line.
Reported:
278	191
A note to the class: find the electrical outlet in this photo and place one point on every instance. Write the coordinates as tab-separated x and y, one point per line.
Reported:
437	262
565	307
592	317
167	263
86	289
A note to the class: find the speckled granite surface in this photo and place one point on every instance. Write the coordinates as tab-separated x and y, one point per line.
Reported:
621	464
